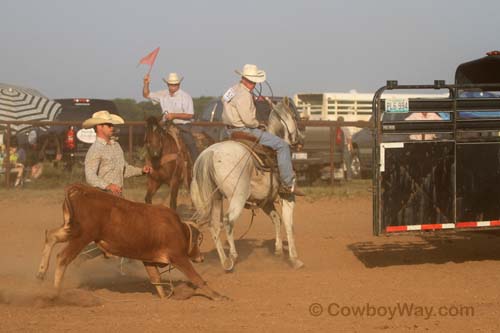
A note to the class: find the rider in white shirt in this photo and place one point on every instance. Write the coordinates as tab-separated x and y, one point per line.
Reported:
177	106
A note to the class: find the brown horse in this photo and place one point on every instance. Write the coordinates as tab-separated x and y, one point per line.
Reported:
169	159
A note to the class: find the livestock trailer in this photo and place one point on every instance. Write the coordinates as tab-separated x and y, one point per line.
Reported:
437	161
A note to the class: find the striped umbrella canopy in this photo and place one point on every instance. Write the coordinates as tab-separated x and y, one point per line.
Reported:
17	103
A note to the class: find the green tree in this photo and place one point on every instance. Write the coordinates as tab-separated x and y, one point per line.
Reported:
129	109
199	103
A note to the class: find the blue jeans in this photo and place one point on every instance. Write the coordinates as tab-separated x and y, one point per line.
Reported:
280	146
187	137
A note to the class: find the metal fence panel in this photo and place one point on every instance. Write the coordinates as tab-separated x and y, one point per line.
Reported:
417	184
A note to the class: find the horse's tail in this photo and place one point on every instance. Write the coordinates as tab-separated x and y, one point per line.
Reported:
203	187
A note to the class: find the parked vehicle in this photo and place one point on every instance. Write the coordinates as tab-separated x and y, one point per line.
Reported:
314	162
362	147
65	139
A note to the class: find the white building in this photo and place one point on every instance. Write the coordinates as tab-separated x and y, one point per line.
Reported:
353	106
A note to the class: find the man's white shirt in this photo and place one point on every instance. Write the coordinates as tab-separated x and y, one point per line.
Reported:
181	102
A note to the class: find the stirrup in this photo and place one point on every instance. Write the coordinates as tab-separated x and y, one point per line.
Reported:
289	190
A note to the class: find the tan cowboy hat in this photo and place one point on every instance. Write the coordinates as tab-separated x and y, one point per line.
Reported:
173	78
252	73
102	117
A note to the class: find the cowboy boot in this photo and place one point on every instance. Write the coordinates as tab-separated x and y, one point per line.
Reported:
288	190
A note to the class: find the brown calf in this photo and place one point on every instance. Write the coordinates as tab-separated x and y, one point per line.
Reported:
151	233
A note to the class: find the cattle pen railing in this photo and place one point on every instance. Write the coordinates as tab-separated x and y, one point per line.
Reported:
6	127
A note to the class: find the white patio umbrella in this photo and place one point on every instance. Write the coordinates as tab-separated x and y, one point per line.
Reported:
18	103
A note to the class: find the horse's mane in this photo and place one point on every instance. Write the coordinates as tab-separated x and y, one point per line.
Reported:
278	112
281	114
283	107
152	121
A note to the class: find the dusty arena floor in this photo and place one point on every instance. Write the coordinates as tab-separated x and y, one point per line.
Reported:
351	279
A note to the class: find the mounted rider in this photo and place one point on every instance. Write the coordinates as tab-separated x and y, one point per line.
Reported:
177	106
239	115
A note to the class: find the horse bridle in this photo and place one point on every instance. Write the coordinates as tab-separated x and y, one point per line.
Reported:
161	132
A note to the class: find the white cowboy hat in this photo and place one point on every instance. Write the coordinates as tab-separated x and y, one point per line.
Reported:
173	78
252	73
102	117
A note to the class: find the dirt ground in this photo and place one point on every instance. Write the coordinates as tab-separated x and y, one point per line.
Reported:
351	280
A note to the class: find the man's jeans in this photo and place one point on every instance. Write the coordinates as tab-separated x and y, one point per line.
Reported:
280	146
187	137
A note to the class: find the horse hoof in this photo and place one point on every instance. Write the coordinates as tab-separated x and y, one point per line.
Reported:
296	264
228	265
278	253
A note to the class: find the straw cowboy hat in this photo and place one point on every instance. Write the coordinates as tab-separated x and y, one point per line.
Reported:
102	117
252	73
173	78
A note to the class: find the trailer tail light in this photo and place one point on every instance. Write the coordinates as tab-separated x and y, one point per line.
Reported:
81	101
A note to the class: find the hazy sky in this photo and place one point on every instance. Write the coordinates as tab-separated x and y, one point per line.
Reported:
91	48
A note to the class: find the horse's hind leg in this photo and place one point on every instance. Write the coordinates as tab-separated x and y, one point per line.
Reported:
288	206
215	230
270	210
155	278
153	186
65	257
234	211
236	205
229	227
52	237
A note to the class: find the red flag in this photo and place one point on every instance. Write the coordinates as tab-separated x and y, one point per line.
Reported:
150	58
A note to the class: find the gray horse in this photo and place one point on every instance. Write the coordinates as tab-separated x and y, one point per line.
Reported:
227	170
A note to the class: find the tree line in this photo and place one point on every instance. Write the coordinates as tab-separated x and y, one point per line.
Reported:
131	110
